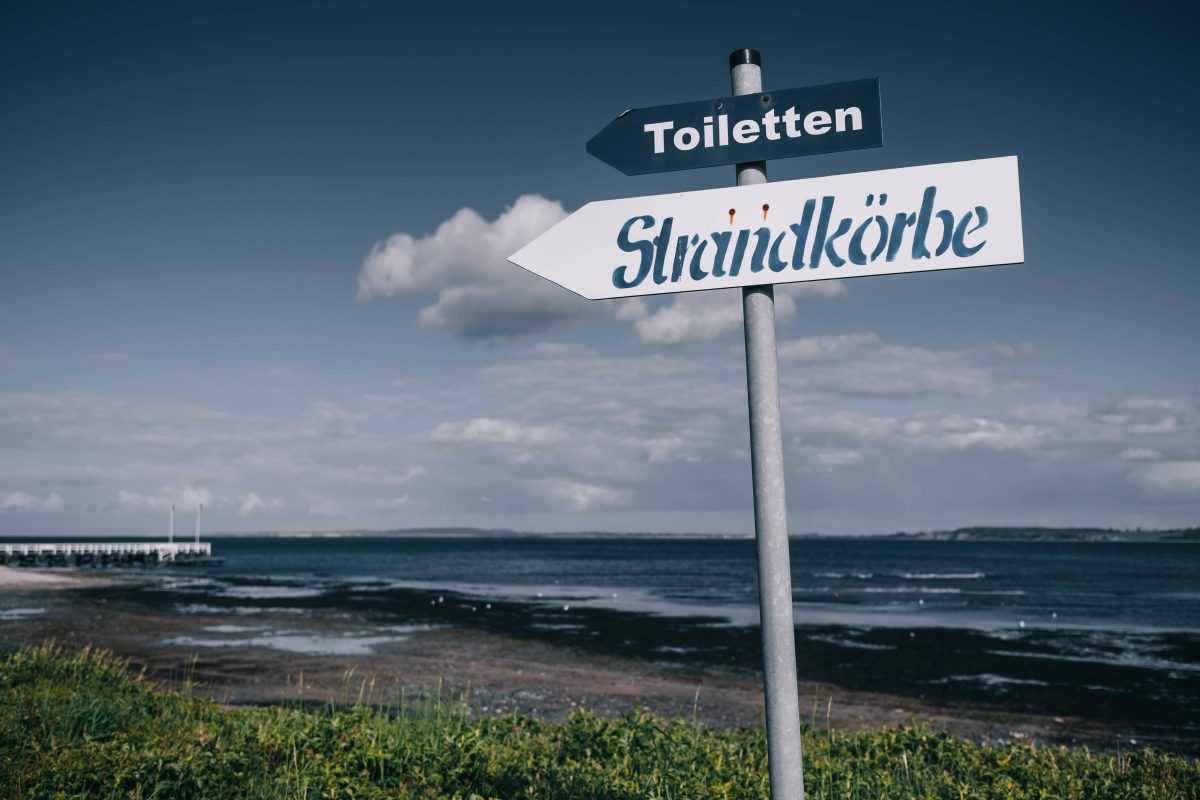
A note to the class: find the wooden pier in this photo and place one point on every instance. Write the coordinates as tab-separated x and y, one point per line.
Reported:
104	554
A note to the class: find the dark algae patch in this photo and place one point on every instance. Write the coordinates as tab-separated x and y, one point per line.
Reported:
76	725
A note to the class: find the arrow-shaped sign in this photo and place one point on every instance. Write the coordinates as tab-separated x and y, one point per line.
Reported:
941	216
752	127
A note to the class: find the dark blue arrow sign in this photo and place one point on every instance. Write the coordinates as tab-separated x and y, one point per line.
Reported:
752	127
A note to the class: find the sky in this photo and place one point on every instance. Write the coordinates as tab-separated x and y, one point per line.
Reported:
253	256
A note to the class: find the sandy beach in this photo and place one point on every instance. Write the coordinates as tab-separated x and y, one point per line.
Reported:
497	673
18	580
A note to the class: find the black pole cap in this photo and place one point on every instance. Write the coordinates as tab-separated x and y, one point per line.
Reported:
744	56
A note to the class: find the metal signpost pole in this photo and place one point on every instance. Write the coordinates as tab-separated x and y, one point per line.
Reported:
770	505
592	253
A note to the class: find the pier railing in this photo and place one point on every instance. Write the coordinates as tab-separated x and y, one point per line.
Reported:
33	553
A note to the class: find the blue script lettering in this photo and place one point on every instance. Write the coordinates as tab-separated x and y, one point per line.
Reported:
842	242
620	277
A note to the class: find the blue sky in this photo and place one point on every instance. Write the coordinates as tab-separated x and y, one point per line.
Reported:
190	195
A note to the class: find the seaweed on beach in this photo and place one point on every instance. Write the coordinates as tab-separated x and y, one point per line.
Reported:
81	725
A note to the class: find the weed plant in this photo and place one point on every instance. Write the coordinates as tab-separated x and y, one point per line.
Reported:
80	725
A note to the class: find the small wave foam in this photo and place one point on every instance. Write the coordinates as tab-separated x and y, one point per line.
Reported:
271	592
307	642
991	679
941	576
204	608
20	613
840	642
910	590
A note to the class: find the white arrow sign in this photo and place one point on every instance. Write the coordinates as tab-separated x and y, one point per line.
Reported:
940	216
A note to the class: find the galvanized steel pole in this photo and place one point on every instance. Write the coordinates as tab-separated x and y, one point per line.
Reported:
770	503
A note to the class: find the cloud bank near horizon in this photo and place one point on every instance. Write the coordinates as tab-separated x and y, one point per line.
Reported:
880	436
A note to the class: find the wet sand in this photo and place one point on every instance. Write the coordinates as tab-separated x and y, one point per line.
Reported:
16	579
497	673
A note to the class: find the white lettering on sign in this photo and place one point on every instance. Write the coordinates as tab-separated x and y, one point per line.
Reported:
717	133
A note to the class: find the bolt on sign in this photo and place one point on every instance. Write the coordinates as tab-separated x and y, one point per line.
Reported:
915	219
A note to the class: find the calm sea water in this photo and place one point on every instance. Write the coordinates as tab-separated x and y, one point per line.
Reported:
1108	630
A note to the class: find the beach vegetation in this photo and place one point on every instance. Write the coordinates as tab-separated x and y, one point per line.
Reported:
83	725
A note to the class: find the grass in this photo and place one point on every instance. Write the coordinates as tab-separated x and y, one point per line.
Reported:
75	725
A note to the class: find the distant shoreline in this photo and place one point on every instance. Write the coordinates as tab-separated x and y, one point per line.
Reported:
969	534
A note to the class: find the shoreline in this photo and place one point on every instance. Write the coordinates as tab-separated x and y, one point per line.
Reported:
499	673
17	579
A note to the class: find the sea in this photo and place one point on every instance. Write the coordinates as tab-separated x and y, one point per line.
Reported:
1103	630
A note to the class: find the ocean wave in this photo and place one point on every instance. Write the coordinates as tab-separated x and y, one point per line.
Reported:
941	576
840	642
909	590
1111	659
270	592
205	608
306	642
991	679
20	613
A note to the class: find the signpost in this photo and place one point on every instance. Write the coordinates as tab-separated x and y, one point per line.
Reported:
746	127
916	219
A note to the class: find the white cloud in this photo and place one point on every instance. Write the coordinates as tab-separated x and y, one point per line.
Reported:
184	498
23	501
831	288
839	458
575	496
956	431
250	502
702	316
1178	480
481	297
560	435
390	503
863	364
498	431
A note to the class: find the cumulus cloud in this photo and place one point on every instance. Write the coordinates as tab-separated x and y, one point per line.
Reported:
498	431
479	296
701	316
1178	480
693	317
182	497
863	364
839	458
250	502
118	457
560	435
23	501
1140	454
577	496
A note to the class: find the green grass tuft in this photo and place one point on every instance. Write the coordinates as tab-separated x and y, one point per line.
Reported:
79	725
